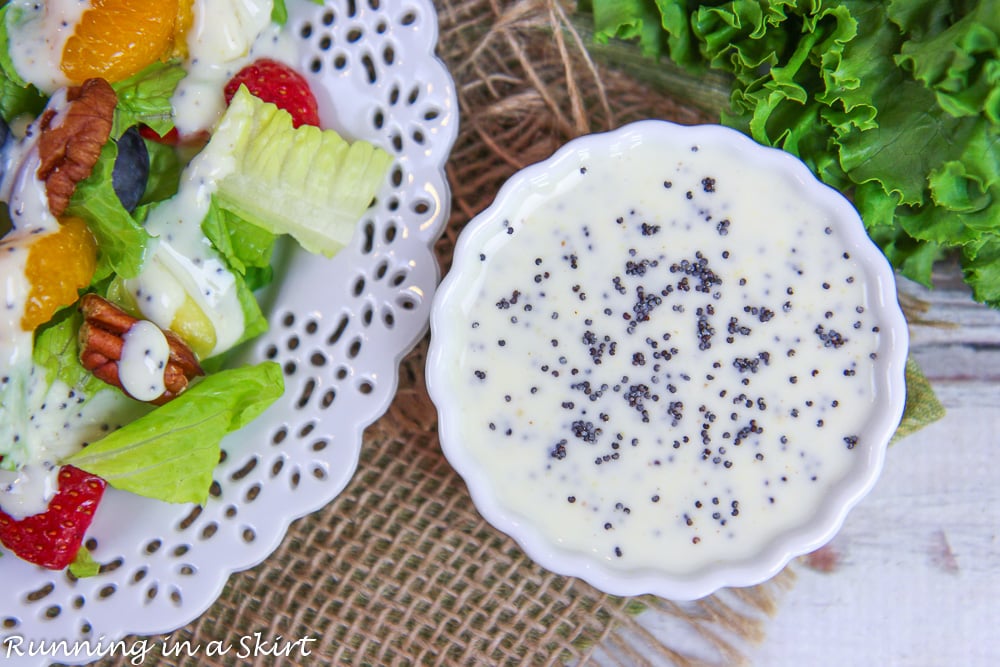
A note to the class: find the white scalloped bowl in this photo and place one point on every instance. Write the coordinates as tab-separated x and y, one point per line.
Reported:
517	439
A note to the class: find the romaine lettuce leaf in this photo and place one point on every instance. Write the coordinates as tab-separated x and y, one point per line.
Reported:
165	166
145	98
243	244
45	382
309	183
170	453
122	242
14	449
57	351
247	249
279	12
56	354
254	322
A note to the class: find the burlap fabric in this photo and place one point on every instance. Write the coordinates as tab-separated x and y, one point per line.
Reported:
400	569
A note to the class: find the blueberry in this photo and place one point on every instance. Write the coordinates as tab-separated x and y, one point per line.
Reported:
4	135
131	168
5	223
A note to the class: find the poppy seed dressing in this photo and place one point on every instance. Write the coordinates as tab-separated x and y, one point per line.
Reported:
667	361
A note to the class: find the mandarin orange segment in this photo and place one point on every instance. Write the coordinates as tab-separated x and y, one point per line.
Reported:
118	38
58	265
182	23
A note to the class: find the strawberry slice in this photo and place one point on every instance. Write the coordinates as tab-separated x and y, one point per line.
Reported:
52	538
280	85
171	138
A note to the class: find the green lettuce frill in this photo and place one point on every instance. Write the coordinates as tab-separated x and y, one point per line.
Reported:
896	103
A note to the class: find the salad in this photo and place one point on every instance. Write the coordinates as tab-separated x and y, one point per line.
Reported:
152	154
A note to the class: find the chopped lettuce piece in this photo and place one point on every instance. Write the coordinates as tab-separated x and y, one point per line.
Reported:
84	565
254	322
57	355
57	352
165	166
247	249
306	182
170	453
145	98
121	241
15	448
245	246
279	13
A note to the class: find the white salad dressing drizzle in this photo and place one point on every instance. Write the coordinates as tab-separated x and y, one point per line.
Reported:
143	361
50	435
70	420
224	37
670	371
28	204
28	198
38	33
183	263
28	491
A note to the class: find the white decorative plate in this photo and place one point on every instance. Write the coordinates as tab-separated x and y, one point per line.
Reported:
338	328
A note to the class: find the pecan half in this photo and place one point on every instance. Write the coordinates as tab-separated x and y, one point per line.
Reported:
68	150
101	343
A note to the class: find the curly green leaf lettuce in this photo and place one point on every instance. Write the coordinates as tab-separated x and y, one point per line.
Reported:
896	103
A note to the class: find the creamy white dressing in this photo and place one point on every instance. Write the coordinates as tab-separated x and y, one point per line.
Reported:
143	361
28	490
15	342
28	205
183	263
69	420
665	362
38	33
226	35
